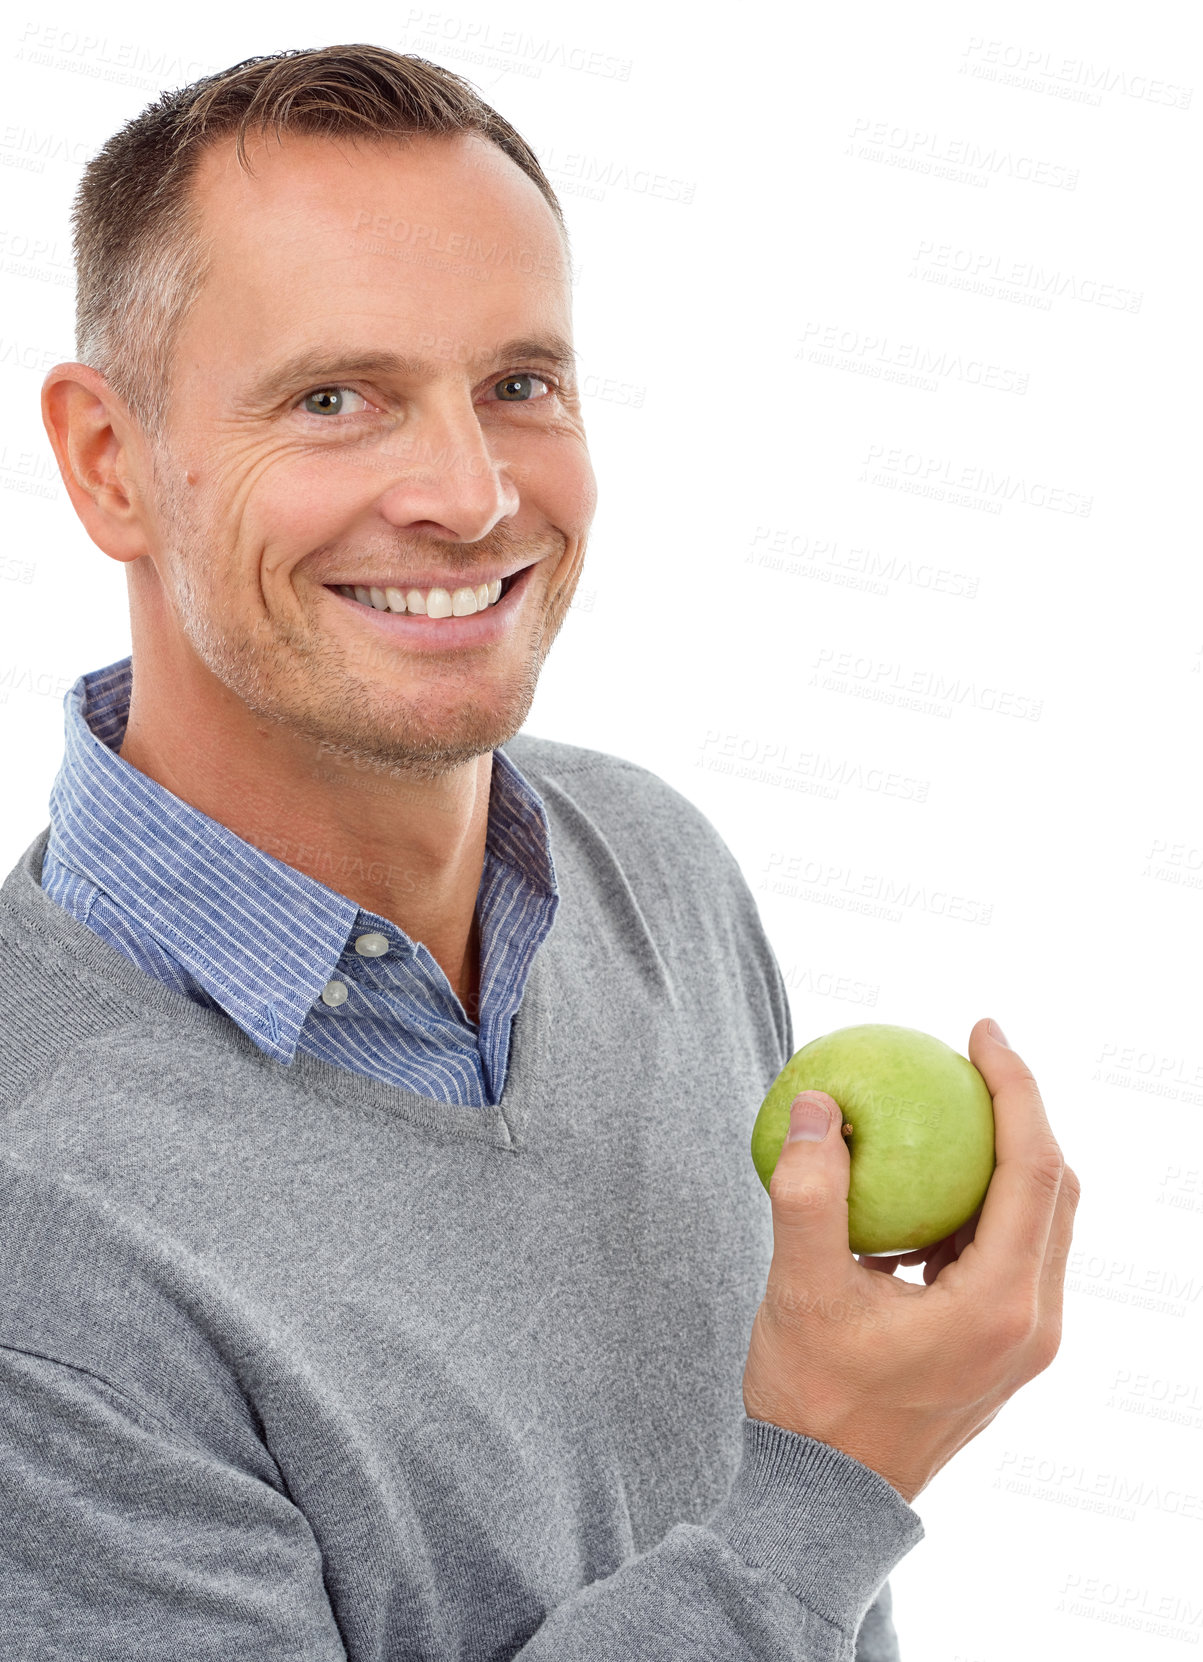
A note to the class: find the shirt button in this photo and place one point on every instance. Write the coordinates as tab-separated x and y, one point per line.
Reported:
371	946
334	992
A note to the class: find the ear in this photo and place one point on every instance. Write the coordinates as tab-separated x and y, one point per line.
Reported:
102	456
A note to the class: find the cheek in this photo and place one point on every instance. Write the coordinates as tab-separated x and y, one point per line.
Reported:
567	491
286	511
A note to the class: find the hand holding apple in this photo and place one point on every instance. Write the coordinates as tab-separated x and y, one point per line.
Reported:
896	1375
920	1130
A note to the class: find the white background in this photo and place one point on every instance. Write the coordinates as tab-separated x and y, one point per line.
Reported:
827	268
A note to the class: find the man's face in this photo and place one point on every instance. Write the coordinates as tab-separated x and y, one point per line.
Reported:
297	456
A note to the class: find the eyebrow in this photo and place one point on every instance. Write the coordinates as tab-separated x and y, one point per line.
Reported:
322	365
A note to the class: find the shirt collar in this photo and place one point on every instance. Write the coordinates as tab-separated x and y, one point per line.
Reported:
259	936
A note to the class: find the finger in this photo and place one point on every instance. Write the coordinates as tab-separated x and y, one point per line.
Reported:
809	1193
960	1238
935	1256
1056	1258
1016	1216
921	1255
944	1254
966	1232
885	1265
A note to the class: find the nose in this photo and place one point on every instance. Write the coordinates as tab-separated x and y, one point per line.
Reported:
444	474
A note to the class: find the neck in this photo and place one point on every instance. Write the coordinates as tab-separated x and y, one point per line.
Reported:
408	848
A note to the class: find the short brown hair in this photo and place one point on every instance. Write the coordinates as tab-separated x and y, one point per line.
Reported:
139	259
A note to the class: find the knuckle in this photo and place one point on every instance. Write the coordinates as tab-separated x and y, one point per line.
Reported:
1045	1345
1014	1325
1071	1186
1048	1170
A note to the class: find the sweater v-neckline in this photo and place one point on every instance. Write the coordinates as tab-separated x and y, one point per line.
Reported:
45	925
502	1124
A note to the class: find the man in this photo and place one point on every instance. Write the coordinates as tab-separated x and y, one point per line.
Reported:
380	1241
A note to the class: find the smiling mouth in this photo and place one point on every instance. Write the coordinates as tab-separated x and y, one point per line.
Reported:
464	601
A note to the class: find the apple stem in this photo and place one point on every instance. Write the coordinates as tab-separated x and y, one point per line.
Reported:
845	1130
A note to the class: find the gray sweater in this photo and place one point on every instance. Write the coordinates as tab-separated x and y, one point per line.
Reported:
296	1364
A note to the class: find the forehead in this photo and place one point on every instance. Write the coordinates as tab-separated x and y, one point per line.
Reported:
444	232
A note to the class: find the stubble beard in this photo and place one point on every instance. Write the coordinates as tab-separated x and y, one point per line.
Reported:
307	680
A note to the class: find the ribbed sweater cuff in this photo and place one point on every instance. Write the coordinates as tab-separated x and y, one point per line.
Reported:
825	1525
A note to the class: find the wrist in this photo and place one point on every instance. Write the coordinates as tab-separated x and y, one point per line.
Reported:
842	1432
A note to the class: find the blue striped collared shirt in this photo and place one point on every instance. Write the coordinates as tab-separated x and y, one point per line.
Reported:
236	929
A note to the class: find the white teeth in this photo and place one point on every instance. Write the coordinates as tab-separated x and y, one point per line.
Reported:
437	603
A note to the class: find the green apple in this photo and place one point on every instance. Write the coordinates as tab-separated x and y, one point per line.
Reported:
921	1142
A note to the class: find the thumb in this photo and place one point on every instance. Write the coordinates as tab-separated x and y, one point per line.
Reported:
809	1186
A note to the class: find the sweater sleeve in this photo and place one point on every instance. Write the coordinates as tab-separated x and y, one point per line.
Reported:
120	1541
787	1567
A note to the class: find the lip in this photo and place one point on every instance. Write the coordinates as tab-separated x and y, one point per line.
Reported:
425	583
442	634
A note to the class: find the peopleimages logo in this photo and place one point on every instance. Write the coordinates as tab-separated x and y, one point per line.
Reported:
529	54
1076	79
875	894
1176	1401
801	978
929	692
907	363
38	257
21	355
961	160
1162	1292
1165	1074
1125	1604
1022	282
944	479
30	148
1066	1483
42	683
781	762
852	565
31	472
389	234
132	63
